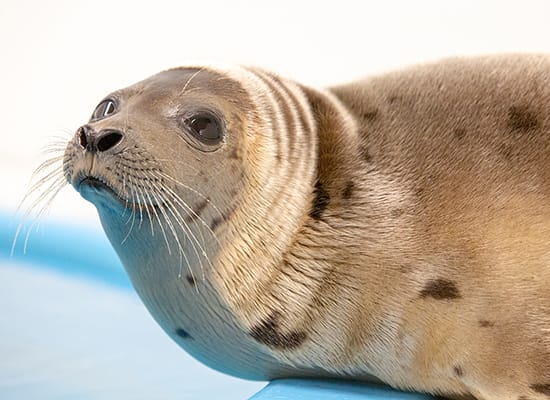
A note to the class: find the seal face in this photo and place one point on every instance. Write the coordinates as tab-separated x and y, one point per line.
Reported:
392	229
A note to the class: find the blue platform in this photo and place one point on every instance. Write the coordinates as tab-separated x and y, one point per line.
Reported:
301	389
72	328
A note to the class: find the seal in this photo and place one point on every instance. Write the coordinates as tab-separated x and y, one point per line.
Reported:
394	229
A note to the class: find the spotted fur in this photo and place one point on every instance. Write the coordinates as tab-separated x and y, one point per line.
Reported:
440	289
393	229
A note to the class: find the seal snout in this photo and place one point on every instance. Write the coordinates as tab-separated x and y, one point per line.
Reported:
98	142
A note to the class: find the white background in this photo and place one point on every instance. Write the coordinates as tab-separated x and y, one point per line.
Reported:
59	58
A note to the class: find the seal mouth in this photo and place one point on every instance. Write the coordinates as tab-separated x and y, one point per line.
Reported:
96	188
98	184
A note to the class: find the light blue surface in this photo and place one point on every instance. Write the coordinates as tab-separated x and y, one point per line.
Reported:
72	250
299	389
73	328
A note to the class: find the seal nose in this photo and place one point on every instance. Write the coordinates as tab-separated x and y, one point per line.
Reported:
100	141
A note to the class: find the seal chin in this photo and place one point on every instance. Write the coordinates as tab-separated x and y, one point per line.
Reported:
100	193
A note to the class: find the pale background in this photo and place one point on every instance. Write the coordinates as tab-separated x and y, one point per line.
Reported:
59	58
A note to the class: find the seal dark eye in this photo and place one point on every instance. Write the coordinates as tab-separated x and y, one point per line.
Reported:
205	127
104	109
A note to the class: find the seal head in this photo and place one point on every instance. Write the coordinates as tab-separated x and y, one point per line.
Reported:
188	175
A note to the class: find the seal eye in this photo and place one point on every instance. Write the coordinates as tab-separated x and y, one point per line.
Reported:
205	127
104	109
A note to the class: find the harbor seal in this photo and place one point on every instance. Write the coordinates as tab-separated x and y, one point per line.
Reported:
394	229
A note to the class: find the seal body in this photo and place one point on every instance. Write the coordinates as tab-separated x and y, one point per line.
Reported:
395	229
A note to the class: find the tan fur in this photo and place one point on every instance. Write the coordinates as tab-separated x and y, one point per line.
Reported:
393	229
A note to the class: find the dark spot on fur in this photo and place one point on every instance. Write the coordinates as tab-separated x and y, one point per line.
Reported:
219	218
216	221
197	211
191	280
370	115
524	398
366	155
543	388
459	133
486	324
394	98
521	119
182	333
457	369
440	289
320	201
267	333
348	190
396	213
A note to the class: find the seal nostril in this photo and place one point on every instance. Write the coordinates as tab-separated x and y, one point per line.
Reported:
109	140
82	137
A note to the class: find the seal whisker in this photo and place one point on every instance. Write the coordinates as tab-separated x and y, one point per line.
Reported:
131	218
139	202
45	202
162	200
53	181
52	177
151	211
140	207
44	173
174	161
54	150
49	194
189	233
190	212
47	164
57	146
136	197
158	199
176	238
171	206
207	199
189	80
151	178
41	180
124	188
157	195
145	193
